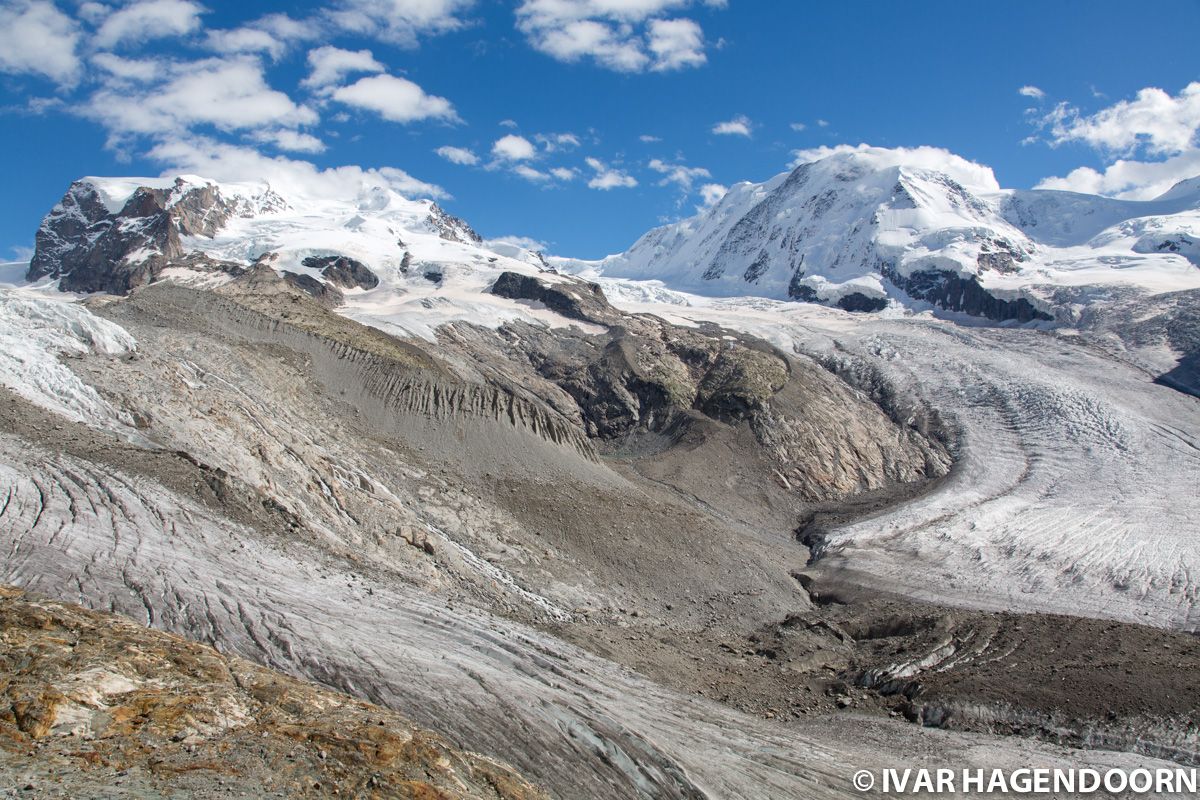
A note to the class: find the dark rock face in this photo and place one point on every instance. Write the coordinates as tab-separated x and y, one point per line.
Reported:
574	299
954	293
94	250
647	389
450	227
343	271
326	294
1000	255
857	301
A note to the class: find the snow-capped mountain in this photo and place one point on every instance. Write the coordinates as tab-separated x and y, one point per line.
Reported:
406	265
861	225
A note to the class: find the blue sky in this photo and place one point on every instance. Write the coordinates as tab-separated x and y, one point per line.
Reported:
581	123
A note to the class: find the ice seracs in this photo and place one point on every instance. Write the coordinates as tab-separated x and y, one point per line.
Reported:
35	333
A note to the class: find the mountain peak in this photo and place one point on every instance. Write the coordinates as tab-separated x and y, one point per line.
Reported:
861	226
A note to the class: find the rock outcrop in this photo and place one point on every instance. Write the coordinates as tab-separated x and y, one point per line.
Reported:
646	380
344	271
91	247
92	701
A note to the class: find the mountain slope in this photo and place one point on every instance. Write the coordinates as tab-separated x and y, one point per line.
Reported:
858	227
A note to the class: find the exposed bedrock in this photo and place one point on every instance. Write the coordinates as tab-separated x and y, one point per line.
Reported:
955	293
343	271
709	402
105	702
93	249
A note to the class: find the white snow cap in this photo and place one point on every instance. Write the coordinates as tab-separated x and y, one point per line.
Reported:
968	173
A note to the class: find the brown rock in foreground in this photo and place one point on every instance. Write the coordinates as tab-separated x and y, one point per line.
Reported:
94	705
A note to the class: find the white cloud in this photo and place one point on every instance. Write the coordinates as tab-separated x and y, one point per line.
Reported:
289	140
399	22
128	69
738	126
1031	91
395	99
36	38
711	194
675	44
968	173
273	35
530	174
622	35
227	94
1153	121
513	148
225	162
552	142
648	139
328	65
1163	130
523	242
92	12
245	40
1129	180
608	178
148	19
797	126
679	174
458	155
822	123
564	173
508	123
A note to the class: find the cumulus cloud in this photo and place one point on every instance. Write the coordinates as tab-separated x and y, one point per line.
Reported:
1129	180
622	35
272	35
552	142
711	194
289	140
738	126
648	139
148	19
399	22
395	99
1031	91
127	69
1153	121
681	175
328	65
36	38
530	174
675	44
523	242
225	162
458	155
968	173
607	177
229	95
513	148
1152	140
797	126
564	173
